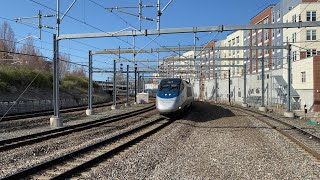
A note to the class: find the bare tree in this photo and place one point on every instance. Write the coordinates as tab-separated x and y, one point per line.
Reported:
80	71
33	57
64	64
7	41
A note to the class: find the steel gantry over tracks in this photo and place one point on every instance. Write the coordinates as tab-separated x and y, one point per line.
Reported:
146	32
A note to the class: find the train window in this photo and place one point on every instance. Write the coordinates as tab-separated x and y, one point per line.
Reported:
170	85
189	91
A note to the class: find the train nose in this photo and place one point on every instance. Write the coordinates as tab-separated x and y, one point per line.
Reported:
166	104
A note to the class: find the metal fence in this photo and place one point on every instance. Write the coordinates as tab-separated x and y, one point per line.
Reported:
18	107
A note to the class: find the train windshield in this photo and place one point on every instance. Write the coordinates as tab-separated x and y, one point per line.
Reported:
170	85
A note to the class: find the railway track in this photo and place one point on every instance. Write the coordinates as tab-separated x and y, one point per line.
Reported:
72	164
9	144
304	139
49	112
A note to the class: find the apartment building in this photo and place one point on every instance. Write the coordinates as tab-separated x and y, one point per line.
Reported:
233	40
304	40
261	37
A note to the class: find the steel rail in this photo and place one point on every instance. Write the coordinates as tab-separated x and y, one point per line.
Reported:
41	136
49	112
68	157
299	133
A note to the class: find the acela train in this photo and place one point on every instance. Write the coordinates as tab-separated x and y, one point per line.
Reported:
174	95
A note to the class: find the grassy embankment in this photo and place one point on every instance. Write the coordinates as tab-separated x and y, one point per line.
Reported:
22	76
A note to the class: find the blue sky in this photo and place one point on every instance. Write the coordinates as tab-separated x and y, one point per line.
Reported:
93	18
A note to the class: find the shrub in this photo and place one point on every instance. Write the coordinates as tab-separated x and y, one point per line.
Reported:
23	76
3	86
72	80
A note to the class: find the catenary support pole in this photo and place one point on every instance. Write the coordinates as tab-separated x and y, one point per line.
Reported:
158	15
262	107
262	83
139	81
55	120
245	84
194	53
56	102
142	82
135	69
229	74
289	110
135	83
140	14
127	101
90	83
114	105
216	82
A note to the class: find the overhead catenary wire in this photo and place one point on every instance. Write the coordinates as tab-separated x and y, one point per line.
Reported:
133	27
81	22
7	19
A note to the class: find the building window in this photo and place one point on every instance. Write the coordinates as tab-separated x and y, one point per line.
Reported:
311	35
279	14
273	32
311	52
233	41
303	77
294	37
266	35
238	41
294	18
311	15
273	18
279	31
294	55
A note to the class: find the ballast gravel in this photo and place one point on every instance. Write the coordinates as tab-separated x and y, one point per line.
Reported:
17	159
211	142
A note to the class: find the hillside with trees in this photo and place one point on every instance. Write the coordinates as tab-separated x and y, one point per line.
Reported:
25	74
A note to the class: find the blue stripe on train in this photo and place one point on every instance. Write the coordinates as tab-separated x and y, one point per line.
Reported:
167	95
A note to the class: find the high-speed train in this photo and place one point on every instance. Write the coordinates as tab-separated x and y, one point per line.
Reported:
174	95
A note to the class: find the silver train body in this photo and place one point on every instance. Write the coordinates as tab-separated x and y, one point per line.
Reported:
174	95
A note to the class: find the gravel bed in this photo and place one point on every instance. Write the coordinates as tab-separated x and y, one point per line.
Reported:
20	158
211	143
33	125
301	123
